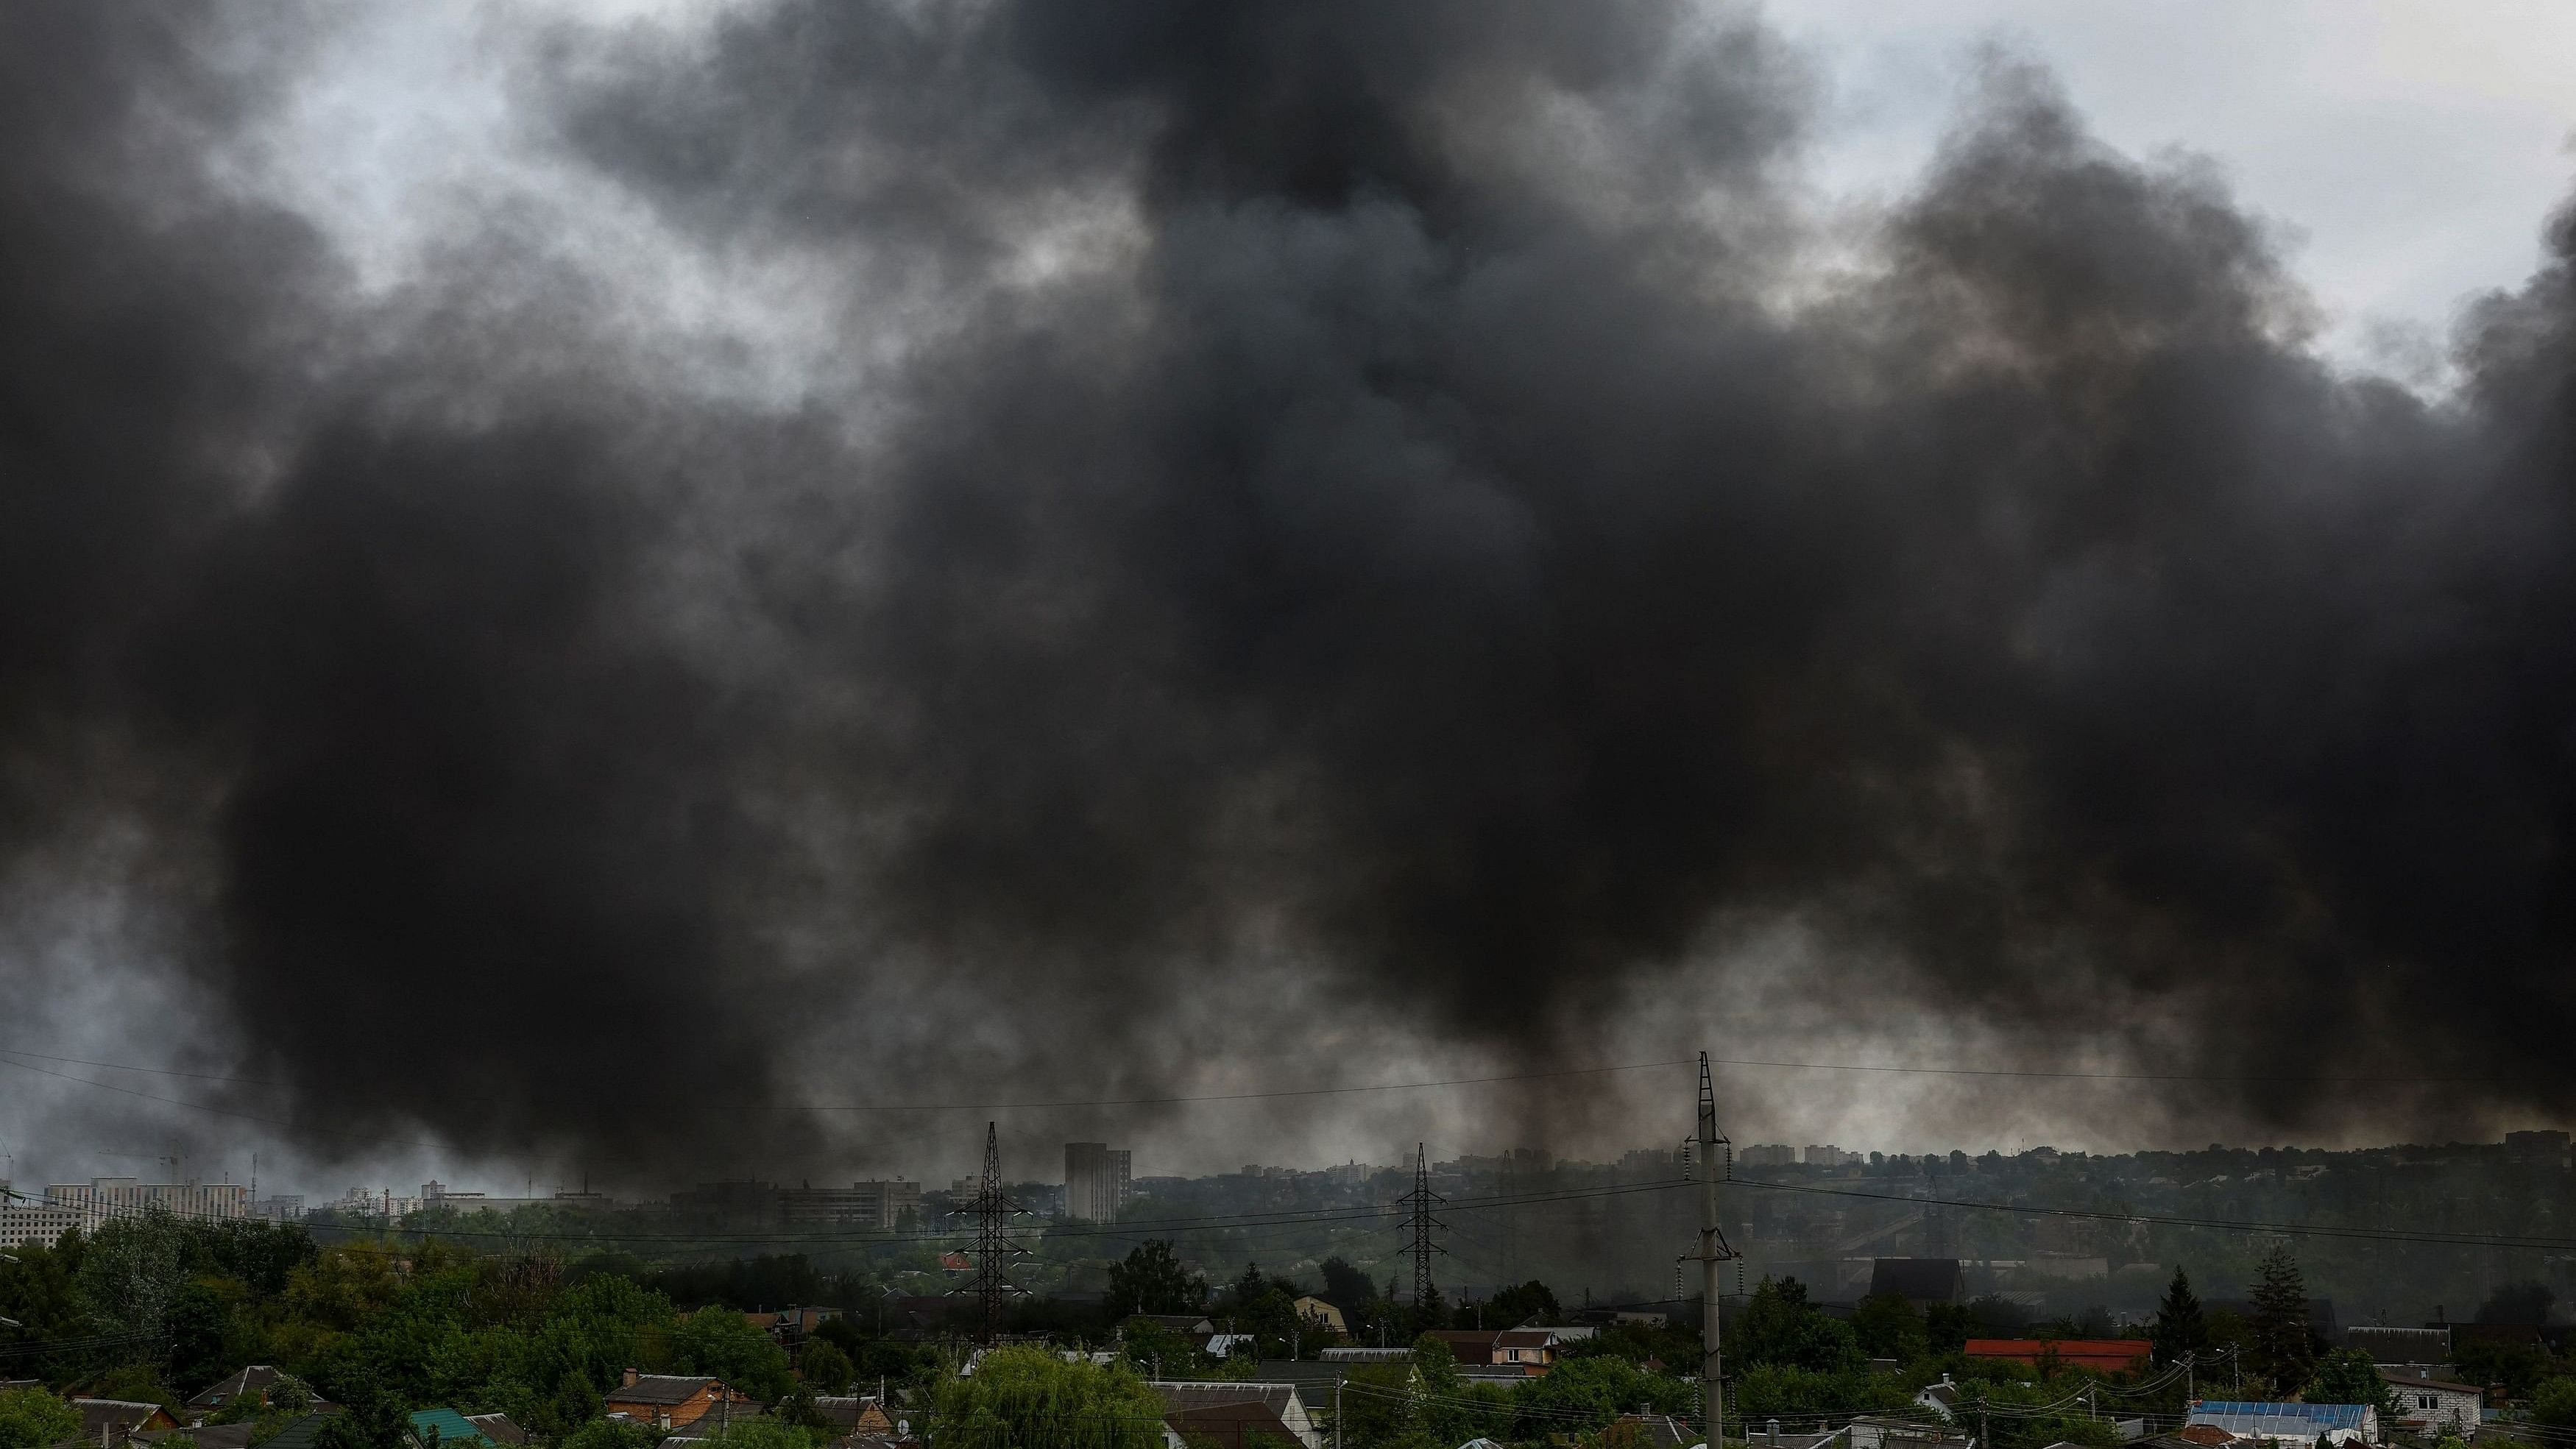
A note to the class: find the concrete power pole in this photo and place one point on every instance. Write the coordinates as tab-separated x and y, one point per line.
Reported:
1713	1250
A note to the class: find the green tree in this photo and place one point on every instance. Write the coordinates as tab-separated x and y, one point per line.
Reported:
2347	1376
1529	1302
2553	1404
1780	1327
1888	1325
2518	1366
32	1419
1027	1396
2283	1351
2524	1302
2180	1327
827	1368
1152	1280
723	1343
1949	1326
132	1269
607	1434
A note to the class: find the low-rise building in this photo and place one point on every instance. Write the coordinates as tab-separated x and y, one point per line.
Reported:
105	1421
2430	1405
670	1402
1317	1313
2102	1355
1233	1415
2302	1423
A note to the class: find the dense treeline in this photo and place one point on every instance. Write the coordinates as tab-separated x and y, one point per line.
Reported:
156	1308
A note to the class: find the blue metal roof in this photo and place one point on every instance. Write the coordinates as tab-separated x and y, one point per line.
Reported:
451	1425
2305	1421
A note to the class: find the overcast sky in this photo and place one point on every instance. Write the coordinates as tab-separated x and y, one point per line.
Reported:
2407	155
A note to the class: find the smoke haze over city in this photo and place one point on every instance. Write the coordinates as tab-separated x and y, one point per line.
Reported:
658	592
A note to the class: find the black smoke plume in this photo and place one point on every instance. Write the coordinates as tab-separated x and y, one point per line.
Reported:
1347	512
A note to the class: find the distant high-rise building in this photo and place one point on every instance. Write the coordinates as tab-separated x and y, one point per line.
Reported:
1095	1181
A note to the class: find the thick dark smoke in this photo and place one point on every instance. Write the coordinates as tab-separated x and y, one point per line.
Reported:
1385	511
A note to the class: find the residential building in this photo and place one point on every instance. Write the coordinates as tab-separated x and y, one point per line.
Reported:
855	1413
1096	1180
1653	1431
252	1382
38	1224
106	1420
2289	1423
1871	1431
669	1401
2102	1355
2429	1405
1828	1155
2399	1345
496	1427
1317	1313
441	1427
102	1198
1234	1415
1767	1154
279	1208
873	1204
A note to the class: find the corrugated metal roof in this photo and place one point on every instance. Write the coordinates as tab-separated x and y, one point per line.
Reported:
2278	1420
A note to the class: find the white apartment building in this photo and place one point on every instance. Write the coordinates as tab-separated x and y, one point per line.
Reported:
96	1201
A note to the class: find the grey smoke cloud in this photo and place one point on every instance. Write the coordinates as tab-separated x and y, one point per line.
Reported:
1374	511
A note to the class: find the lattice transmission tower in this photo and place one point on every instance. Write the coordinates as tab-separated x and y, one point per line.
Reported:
1422	1200
994	1249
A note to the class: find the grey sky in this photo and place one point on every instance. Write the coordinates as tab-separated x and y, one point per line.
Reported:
2405	155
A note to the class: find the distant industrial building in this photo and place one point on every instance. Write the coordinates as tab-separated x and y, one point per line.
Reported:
1095	1181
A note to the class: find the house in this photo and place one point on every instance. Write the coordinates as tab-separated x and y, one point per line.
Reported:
1317	1313
1942	1399
1530	1349
1225	1345
1231	1415
495	1427
2399	1345
1198	1328
1315	1380
1651	1431
1873	1431
668	1401
2102	1355
855	1413
301	1433
254	1381
1922	1282
105	1419
1469	1345
443	1427
2427	1405
2341	1423
726	1416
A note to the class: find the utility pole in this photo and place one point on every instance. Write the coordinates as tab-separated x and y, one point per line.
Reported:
992	1244
1713	1250
1422	1198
